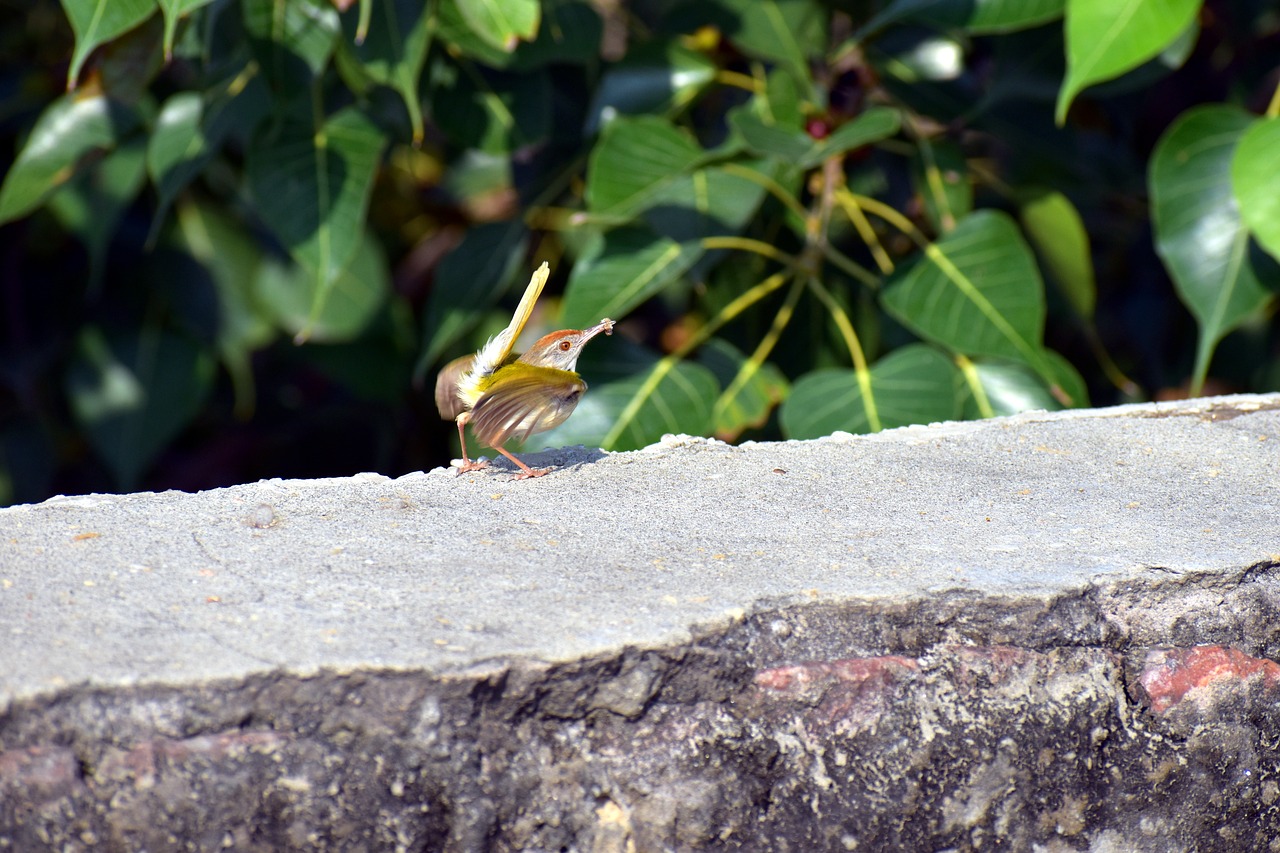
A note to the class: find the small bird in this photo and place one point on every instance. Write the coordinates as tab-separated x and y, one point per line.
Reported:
504	395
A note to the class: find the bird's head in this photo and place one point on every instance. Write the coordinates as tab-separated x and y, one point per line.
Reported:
561	349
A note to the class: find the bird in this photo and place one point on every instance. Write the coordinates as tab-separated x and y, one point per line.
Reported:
504	395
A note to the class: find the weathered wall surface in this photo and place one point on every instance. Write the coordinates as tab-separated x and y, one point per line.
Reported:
1052	633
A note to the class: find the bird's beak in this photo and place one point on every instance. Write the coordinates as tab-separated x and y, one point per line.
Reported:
605	325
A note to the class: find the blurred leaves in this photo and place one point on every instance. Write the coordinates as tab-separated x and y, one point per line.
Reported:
1106	38
251	230
1199	230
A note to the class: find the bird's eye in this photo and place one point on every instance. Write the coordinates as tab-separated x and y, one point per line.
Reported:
565	346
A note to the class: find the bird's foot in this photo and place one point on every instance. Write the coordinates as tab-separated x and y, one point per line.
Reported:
466	466
530	473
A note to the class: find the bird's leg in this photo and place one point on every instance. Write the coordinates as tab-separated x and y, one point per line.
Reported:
467	464
527	472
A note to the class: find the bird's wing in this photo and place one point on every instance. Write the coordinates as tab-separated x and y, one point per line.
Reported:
493	354
524	399
447	400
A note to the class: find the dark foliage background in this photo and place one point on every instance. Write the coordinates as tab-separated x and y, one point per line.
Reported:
237	238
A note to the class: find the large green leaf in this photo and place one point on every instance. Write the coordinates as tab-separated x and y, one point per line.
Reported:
1057	232
632	266
68	130
312	187
96	22
394	50
292	41
912	385
976	291
634	162
502	23
1198	227
134	392
348	305
657	78
174	11
91	205
1106	38
468	281
1255	178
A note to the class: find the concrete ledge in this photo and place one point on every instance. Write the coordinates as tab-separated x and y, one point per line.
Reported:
1053	632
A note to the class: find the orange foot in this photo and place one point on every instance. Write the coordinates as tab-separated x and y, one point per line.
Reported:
530	473
469	465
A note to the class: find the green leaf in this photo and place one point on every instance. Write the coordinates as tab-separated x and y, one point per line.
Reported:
223	246
788	32
467	283
1255	177
1106	38
633	265
659	78
751	389
976	16
1057	232
1198	228
710	202
394	50
497	113
92	204
292	41
912	385
977	292
787	144
174	11
569	34
875	124
96	22
312	188
1006	389
453	30
133	392
68	130
634	162
358	291
502	23
192	127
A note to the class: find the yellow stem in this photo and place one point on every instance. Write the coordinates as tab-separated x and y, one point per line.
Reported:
773	187
737	78
860	367
850	266
747	244
849	203
761	352
668	363
1273	108
888	214
970	372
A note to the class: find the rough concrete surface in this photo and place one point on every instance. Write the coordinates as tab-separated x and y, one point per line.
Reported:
1053	632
